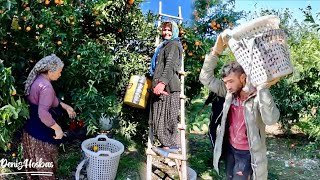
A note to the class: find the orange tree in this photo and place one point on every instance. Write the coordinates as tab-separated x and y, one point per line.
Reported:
13	110
209	18
102	44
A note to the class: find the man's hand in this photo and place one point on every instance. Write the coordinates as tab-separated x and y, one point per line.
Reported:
267	84
221	43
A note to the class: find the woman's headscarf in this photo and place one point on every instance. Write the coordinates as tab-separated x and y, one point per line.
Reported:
175	36
174	29
47	63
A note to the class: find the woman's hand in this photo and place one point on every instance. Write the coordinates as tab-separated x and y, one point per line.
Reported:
159	89
58	131
72	114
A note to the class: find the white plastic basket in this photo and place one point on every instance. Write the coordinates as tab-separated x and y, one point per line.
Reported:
103	164
260	48
192	175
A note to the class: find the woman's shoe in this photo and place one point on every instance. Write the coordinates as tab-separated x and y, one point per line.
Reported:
172	150
160	151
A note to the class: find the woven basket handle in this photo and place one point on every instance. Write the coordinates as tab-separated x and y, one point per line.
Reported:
79	167
99	153
102	136
238	32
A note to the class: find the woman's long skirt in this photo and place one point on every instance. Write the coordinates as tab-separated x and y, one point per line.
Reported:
164	118
34	150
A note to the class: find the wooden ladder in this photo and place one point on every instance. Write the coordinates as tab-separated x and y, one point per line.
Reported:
180	159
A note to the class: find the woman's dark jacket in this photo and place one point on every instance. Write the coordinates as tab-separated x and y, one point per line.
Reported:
168	66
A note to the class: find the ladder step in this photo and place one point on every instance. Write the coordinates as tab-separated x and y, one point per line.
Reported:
183	97
171	155
182	127
170	16
183	73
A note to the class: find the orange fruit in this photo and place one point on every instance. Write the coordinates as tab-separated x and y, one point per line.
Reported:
95	13
213	23
95	148
130	2
47	2
197	43
71	23
61	2
56	1
24	18
214	28
71	18
185	48
40	25
190	54
218	25
14	155
13	93
120	30
28	28
59	43
78	56
98	23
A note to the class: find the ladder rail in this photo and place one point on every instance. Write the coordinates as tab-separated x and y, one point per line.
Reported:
183	156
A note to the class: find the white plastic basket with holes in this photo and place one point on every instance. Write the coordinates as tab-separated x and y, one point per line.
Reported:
103	164
192	175
260	48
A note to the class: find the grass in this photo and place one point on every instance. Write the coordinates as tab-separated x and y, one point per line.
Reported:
130	165
69	158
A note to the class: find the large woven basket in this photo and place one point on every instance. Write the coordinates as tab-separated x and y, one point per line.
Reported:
260	48
103	164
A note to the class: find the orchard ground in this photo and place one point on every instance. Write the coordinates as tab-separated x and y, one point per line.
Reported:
292	157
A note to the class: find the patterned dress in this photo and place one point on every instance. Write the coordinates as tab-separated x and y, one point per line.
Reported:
165	112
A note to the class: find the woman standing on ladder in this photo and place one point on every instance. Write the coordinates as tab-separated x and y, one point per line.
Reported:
165	102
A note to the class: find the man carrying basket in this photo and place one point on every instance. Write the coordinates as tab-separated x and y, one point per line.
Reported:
244	117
